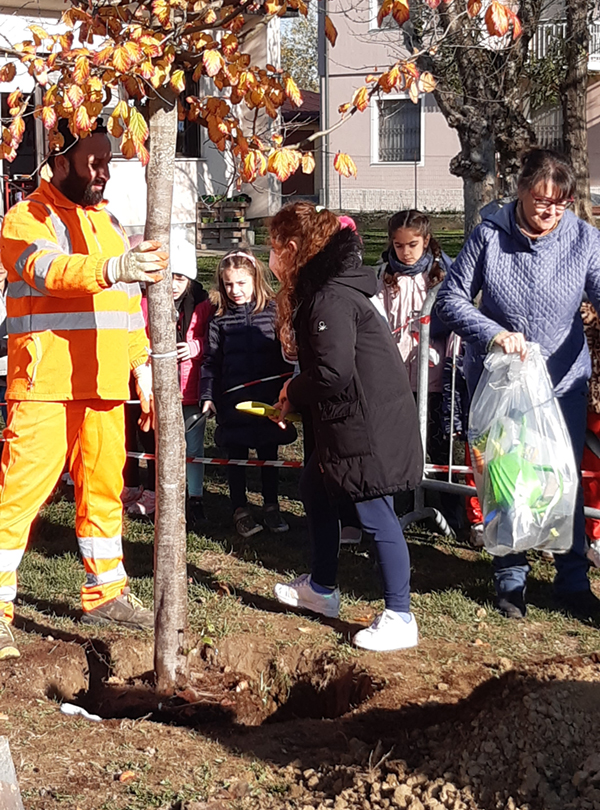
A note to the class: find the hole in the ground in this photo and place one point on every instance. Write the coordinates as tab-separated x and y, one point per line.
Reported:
318	688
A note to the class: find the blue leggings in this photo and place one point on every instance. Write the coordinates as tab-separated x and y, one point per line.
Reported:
377	517
510	572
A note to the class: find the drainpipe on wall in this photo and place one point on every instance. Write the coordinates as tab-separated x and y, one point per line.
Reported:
323	68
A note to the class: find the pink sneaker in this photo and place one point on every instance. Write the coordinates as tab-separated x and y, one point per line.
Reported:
145	505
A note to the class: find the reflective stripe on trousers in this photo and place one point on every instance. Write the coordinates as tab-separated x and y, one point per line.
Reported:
39	438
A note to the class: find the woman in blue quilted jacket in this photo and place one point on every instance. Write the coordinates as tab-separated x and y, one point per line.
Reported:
532	262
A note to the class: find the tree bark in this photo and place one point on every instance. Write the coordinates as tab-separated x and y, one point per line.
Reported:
170	579
574	96
479	187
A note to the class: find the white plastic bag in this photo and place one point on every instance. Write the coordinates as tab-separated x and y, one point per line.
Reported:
523	461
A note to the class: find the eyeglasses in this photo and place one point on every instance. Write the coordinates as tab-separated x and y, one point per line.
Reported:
542	203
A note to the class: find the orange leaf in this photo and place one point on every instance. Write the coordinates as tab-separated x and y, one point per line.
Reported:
143	154
17	128
103	56
308	163
496	19
292	91
400	11
178	81
114	127
473	7
384	11
343	108
344	165
8	72
516	24
127	776
360	100
330	30
426	83
390	79
14	99
128	147
229	44
212	61
121	59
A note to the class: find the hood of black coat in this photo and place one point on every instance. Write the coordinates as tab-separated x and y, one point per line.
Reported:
340	262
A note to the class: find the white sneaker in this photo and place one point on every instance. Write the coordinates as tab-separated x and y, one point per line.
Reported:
388	632
476	535
145	505
300	593
350	536
593	553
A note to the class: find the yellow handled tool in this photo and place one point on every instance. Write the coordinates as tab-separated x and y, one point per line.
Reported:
262	409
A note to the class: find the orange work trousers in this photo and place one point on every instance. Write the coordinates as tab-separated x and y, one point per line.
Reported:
39	438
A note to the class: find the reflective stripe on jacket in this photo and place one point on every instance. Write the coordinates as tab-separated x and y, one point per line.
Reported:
70	336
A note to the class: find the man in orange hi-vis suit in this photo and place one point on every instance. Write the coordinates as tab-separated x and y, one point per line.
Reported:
75	332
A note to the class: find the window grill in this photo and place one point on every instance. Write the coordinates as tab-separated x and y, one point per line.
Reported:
399	131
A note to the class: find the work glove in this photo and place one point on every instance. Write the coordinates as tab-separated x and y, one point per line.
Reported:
143	386
142	263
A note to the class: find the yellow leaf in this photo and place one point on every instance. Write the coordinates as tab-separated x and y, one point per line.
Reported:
390	79
8	72
75	95
284	162
212	61
292	91
138	128
178	81
121	110
49	117
308	163
162	10
343	108
46	173
39	35
103	56
210	17
14	99
82	120
330	30
426	83
121	58
360	100
81	70
344	165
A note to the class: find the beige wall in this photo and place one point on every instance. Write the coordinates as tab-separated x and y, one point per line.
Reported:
383	186
593	117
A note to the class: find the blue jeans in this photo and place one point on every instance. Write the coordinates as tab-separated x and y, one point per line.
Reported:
194	447
510	572
376	516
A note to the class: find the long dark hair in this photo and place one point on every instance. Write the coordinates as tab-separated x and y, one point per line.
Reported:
420	223
546	166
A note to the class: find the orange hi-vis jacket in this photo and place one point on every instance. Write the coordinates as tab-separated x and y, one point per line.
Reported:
70	334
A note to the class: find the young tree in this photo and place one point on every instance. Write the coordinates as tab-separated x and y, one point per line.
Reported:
142	53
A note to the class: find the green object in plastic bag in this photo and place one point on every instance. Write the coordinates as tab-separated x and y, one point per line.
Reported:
511	472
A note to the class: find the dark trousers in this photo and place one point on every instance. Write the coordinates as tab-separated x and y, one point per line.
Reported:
376	516
236	476
134	438
510	572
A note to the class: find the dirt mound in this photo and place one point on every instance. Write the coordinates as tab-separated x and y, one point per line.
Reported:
527	741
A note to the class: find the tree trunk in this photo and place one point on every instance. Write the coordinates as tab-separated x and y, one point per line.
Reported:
170	579
574	96
479	180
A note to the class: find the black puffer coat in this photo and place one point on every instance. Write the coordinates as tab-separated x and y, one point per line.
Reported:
242	346
352	378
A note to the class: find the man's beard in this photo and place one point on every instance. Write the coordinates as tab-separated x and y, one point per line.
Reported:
79	191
